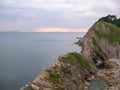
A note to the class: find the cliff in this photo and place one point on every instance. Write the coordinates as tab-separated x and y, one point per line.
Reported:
69	72
99	59
102	42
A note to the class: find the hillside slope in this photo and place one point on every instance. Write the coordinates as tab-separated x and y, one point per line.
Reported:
69	72
102	42
99	59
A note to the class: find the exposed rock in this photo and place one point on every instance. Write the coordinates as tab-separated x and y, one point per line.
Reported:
111	76
98	59
98	45
102	46
69	72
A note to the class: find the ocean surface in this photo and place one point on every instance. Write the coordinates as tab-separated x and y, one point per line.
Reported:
23	55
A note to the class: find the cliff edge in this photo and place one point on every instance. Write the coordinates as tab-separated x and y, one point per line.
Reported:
69	72
99	59
102	42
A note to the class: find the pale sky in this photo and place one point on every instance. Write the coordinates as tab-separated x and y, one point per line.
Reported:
54	15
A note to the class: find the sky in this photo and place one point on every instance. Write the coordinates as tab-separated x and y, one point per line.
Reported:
54	15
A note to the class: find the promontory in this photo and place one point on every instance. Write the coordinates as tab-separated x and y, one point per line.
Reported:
96	67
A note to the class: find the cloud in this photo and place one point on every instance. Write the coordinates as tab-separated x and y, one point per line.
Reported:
56	29
54	13
64	5
70	7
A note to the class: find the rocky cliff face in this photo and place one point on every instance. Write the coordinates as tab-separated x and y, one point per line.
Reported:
101	42
70	72
98	59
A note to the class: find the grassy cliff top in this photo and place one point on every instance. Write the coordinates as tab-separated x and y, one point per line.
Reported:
75	57
112	36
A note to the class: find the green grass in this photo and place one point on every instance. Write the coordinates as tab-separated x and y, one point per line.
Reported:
99	34
55	78
75	57
94	41
112	36
100	51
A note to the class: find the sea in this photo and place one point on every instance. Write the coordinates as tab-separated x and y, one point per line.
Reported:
24	54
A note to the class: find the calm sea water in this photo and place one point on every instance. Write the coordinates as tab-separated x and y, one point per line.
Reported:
23	55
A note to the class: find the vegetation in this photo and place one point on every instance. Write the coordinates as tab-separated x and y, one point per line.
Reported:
95	44
112	36
111	19
55	78
100	50
75	57
94	41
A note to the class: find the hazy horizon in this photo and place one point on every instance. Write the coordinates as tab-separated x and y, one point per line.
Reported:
42	32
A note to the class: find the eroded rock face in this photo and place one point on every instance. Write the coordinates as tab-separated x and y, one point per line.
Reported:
101	46
111	76
64	74
73	71
97	47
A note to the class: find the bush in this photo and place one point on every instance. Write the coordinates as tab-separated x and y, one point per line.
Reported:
111	19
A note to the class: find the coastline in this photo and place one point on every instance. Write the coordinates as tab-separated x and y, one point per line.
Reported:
74	71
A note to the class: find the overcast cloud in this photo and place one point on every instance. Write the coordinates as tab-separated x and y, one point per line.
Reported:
29	15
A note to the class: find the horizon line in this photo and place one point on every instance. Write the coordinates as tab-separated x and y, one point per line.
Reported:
36	32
